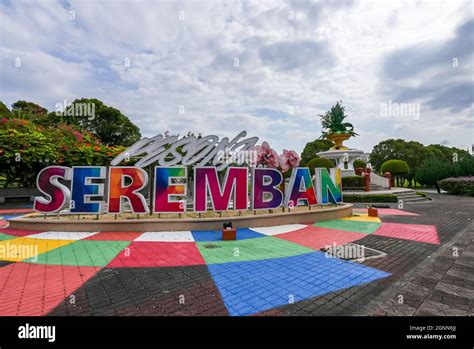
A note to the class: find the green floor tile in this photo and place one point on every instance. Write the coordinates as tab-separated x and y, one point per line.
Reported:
355	226
249	250
4	237
82	253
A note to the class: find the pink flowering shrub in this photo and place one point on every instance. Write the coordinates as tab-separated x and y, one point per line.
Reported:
268	157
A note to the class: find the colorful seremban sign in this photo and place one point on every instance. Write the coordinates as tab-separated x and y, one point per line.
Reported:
98	189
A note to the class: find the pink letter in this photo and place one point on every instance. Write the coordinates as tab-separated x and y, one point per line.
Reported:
235	182
57	194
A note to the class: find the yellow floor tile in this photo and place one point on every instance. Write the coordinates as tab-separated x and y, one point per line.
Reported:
362	218
21	248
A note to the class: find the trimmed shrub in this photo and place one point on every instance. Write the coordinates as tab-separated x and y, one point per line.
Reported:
397	168
359	164
370	198
319	162
458	185
353	182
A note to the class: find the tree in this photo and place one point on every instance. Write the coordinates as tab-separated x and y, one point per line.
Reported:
4	111
397	168
464	167
412	152
312	148
24	110
107	123
433	170
26	148
332	122
319	162
450	154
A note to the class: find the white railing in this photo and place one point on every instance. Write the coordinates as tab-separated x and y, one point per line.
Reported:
379	180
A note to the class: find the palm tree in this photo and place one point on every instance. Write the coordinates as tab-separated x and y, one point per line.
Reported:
332	122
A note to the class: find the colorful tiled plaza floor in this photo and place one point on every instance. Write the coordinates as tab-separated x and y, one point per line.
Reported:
195	272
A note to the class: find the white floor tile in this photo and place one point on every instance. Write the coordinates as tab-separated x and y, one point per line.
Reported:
279	229
167	236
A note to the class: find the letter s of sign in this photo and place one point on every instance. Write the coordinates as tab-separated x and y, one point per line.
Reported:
57	194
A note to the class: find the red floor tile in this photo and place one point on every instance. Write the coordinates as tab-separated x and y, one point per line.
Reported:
115	236
387	212
317	237
35	289
16	232
414	232
158	254
17	210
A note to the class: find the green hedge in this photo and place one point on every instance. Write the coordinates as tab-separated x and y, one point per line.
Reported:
458	185
371	198
353	182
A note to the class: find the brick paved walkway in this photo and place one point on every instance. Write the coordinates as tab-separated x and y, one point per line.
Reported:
424	266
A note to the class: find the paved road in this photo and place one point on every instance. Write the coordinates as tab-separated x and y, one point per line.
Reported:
421	263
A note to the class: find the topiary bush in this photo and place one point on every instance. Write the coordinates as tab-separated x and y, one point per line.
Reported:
359	164
319	162
458	185
353	182
398	168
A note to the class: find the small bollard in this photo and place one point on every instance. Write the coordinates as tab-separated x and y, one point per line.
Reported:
373	212
228	232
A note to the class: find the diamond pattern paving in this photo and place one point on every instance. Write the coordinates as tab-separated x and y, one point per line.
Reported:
317	237
251	287
147	292
33	289
349	225
249	250
158	254
85	253
414	232
269	270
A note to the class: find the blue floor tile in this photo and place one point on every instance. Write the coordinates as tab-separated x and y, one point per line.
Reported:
255	286
216	235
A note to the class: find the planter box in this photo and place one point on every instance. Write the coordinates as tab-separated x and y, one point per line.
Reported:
229	234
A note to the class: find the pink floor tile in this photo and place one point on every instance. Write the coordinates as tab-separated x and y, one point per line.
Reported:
318	237
414	232
387	212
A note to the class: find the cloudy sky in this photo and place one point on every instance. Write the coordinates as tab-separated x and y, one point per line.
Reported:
268	67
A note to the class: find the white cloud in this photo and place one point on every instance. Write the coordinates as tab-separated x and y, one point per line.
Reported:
294	54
